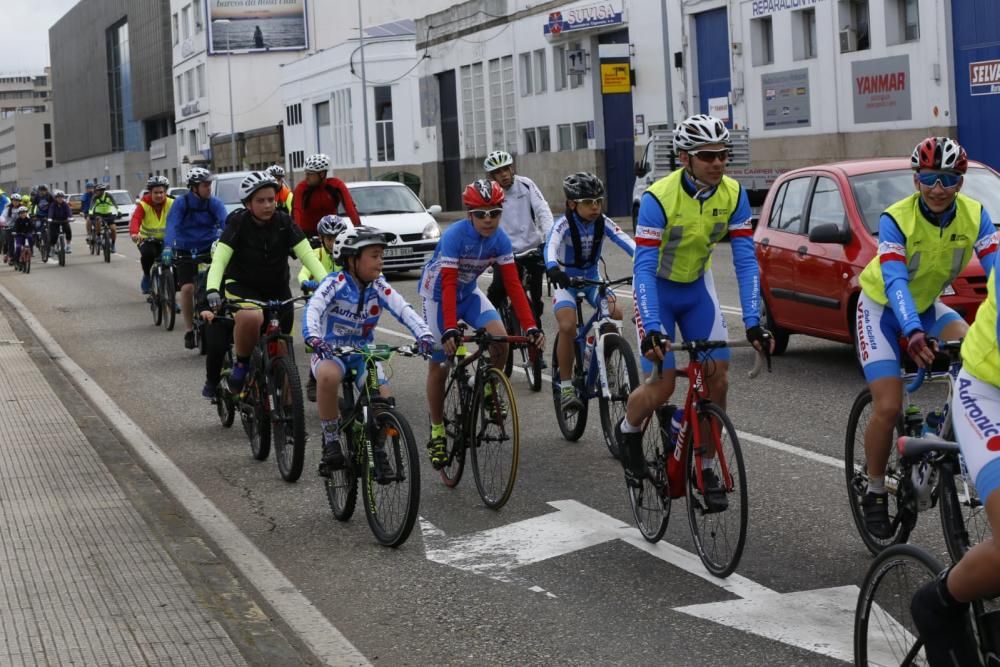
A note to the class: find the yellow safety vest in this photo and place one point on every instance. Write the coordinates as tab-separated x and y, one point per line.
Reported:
154	226
979	349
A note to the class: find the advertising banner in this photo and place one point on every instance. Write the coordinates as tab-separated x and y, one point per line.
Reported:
881	89
785	98
581	18
984	77
257	25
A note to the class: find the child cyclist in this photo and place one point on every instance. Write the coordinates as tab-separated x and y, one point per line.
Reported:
23	229
572	250
344	310
328	228
450	293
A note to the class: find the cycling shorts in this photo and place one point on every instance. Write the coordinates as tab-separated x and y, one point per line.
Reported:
878	334
565	297
694	307
475	310
354	363
186	266
975	409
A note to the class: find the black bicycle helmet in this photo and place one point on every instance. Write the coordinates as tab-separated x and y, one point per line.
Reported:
583	185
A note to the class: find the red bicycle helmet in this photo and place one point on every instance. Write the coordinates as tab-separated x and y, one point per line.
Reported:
483	193
939	154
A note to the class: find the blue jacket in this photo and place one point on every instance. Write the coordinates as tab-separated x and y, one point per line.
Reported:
85	201
194	223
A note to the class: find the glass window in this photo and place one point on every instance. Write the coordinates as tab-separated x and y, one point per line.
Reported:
565	133
343	131
540	73
201	80
526	88
176	31
804	34
503	120
558	67
762	41
324	139
789	205
544	142
827	205
189	83
473	109
530	139
196	12
386	146
180	89
575	80
186	22
580	136
911	20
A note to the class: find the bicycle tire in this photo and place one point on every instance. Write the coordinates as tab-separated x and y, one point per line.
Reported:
570	427
856	478
224	404
259	426
963	515
106	243
92	241
402	493
26	264
650	502
168	298
511	326
719	554
903	568
44	248
61	251
455	431
533	368
155	295
488	459
620	386
288	419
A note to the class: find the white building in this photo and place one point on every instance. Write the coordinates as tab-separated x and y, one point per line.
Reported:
25	146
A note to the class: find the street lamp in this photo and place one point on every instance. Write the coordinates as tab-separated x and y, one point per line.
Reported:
229	69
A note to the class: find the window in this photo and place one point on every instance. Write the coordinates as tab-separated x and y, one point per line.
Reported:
293	114
576	59
787	213
192	142
196	12
580	136
48	149
384	139
762	41
324	139
558	67
180	89
544	142
827	205
189	83
176	30
297	159
911	20
502	108
854	29
539	72
902	21
804	34
474	109
203	133
47	130
186	21
565	133
201	80
343	127
530	139
526	87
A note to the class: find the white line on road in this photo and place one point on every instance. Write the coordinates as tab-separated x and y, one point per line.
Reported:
315	630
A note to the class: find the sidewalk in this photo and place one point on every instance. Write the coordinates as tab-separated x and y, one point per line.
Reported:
83	580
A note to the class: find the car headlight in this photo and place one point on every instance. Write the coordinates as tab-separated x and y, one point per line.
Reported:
432	231
948	291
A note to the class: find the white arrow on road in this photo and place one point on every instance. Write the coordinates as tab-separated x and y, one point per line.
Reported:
820	621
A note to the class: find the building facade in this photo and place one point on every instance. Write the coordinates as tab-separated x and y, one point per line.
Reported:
25	147
24	93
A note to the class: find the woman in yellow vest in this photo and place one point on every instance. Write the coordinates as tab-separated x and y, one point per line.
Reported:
925	241
328	228
149	222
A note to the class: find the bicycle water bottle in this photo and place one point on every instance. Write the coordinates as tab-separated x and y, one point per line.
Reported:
932	422
913	421
588	350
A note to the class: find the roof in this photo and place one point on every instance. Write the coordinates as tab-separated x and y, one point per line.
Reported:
368	184
868	165
403	28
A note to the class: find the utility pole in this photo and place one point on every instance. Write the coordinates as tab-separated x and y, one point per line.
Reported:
364	95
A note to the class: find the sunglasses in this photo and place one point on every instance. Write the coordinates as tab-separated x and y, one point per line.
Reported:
480	214
711	156
590	201
947	179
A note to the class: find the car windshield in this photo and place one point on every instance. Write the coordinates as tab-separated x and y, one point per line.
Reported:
876	192
385	199
121	198
228	190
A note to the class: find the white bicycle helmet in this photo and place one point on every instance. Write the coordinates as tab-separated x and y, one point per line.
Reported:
22	209
276	170
318	162
58	193
196	175
15	197
497	160
157	182
352	239
254	181
700	130
331	225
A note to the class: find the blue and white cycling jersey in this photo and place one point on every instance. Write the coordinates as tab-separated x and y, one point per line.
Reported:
559	250
464	249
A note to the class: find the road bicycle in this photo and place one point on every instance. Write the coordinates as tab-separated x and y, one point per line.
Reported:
480	418
604	366
60	246
381	451
162	293
917	485
530	358
270	404
675	463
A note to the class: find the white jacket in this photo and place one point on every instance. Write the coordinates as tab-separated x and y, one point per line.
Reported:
527	218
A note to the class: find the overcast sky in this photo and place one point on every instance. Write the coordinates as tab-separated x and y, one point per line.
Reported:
29	40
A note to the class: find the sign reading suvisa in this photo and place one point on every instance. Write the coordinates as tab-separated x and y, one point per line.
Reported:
984	77
881	89
257	25
579	18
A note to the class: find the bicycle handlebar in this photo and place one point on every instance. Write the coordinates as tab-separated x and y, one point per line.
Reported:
586	282
408	350
695	346
273	304
945	350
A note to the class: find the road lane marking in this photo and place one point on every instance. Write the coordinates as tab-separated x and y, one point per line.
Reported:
315	630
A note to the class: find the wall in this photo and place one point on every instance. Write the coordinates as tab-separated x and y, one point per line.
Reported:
22	145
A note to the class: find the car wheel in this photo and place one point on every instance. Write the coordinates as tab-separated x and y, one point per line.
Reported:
781	336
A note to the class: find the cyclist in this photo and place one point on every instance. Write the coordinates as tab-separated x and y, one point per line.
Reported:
39	210
85	202
681	218
251	261
900	290
526	219
23	230
59	214
575	242
103	205
4	201
317	195
194	222
450	293
148	224
285	196
345	310
7	218
328	229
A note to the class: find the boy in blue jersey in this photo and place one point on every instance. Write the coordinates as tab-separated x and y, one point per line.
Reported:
344	310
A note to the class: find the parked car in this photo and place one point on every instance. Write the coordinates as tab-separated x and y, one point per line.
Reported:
176	192
126	206
227	188
818	230
75	202
393	207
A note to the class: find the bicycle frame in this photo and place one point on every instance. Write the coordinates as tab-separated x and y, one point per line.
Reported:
591	345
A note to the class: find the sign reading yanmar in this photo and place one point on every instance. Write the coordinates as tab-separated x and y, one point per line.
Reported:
765	7
881	89
984	77
580	18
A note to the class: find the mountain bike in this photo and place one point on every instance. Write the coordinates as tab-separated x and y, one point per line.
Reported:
675	463
23	262
60	247
270	404
373	429
530	358
99	238
161	293
935	478
604	366
480	417
42	240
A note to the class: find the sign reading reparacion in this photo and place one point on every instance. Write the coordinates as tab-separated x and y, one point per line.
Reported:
765	7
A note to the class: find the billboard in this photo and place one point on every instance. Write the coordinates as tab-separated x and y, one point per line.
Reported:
881	89
785	99
257	25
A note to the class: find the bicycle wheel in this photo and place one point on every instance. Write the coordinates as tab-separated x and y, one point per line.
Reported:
392	501
454	426
106	245
288	419
856	473
651	502
963	516
93	242
719	536
884	632
168	298
44	247
511	326
623	377
342	485
533	361
156	294
256	421
224	405
26	259
496	439
573	425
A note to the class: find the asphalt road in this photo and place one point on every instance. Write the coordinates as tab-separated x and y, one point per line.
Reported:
599	602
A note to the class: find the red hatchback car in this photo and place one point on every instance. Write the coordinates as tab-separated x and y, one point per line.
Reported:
818	229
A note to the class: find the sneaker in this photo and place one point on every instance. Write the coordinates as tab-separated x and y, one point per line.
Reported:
943	626
714	493
143	284
383	468
437	450
876	510
113	248
209	391
571	404
632	456
333	457
69	251
189	340
311	388
237	377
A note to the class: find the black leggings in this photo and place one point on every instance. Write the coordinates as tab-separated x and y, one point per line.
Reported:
218	335
54	231
496	292
149	252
